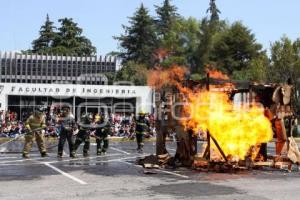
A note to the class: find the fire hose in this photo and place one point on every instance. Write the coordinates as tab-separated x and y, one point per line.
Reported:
22	135
26	133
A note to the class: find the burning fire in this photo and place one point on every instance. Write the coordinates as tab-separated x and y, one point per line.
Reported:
213	73
236	129
172	76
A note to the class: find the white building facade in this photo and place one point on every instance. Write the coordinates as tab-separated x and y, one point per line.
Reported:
80	98
31	80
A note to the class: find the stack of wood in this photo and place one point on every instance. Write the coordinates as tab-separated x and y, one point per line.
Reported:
153	161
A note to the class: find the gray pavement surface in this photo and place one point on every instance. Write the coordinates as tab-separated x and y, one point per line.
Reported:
114	176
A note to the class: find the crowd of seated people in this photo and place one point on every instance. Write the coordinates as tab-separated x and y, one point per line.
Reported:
9	125
122	125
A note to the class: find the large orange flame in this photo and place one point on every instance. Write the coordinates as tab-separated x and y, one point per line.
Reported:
236	128
213	73
172	76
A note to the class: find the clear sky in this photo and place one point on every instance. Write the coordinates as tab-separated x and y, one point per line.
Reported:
20	20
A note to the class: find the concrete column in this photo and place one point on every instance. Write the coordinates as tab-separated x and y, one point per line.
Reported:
62	58
56	68
76	69
10	67
52	67
5	67
81	69
31	67
100	67
14	67
72	70
26	68
35	74
105	64
21	68
47	69
39	68
86	70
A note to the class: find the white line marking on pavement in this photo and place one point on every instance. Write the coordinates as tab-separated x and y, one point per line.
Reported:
172	173
23	160
158	170
20	164
116	160
87	158
2	158
7	163
119	150
51	162
65	174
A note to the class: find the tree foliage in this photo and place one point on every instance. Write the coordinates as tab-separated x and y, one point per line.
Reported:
180	43
68	40
166	17
139	41
257	70
194	43
133	73
235	48
214	11
285	60
46	38
71	41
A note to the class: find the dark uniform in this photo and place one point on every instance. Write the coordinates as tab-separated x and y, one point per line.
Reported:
142	126
84	135
102	131
35	125
67	122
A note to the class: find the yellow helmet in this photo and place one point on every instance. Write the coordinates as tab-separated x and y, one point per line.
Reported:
97	117
142	113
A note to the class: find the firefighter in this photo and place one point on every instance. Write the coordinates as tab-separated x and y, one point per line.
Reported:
35	125
102	131
67	126
84	134
141	126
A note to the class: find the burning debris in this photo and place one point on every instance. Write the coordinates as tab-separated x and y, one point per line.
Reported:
237	132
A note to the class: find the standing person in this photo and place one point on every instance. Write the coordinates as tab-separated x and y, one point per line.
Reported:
102	130
67	123
141	126
35	125
84	134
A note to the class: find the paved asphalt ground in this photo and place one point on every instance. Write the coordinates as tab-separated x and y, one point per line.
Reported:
114	176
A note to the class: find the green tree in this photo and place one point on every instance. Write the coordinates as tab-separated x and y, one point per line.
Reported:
257	70
180	43
202	54
284	60
235	48
139	41
68	40
208	34
213	10
71	41
46	38
210	27
132	72
167	16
